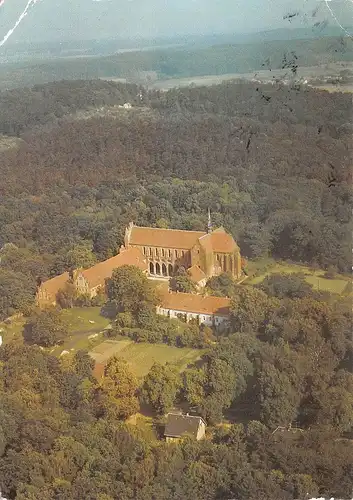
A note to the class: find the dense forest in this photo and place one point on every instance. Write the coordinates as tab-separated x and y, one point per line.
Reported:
273	165
282	383
183	61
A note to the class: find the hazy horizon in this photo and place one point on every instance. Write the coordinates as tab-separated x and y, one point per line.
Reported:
55	21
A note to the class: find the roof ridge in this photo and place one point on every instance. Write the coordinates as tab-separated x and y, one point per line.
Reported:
168	229
196	295
207	234
184	415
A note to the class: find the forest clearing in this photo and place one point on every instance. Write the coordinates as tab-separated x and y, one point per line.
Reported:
141	356
259	270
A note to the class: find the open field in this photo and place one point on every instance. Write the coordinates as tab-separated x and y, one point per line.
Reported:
264	267
85	319
85	327
142	356
12	331
82	322
264	76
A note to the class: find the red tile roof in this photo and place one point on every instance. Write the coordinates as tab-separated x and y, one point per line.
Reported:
97	274
52	286
188	302
223	242
196	274
217	241
98	370
205	242
167	238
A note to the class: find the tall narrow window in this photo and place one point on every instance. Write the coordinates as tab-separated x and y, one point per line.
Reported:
164	270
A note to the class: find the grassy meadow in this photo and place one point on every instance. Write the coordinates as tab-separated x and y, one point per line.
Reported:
258	270
141	356
82	322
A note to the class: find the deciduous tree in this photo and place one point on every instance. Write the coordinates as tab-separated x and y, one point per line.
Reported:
45	328
129	287
120	385
161	386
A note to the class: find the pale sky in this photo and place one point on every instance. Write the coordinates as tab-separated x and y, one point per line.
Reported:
89	19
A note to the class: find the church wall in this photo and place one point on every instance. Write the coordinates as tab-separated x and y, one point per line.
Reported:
44	298
164	261
228	263
81	284
195	255
238	264
208	267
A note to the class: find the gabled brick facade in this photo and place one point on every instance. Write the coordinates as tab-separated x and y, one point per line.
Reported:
89	281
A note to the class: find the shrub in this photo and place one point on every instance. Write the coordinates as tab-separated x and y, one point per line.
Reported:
330	273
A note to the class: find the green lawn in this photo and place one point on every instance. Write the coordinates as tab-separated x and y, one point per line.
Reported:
85	329
12	331
330	285
85	319
83	322
142	356
265	267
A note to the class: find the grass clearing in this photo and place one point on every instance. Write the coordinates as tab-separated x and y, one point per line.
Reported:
12	331
258	270
85	319
141	356
329	285
85	326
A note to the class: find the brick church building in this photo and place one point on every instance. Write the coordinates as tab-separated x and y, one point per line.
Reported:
159	253
204	254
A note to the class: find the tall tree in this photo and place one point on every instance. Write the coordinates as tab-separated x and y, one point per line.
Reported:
80	256
182	282
120	385
279	399
161	386
222	285
250	308
128	287
83	364
286	285
17	292
45	328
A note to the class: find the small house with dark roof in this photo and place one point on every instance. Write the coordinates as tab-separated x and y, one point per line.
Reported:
179	425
